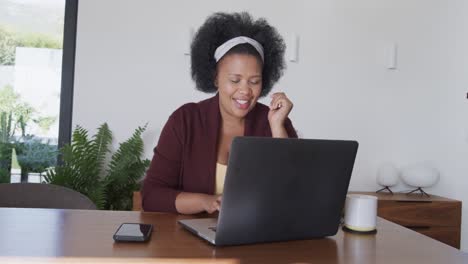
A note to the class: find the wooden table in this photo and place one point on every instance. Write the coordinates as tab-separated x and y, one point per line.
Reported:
86	237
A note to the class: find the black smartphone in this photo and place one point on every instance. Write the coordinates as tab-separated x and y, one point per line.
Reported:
133	232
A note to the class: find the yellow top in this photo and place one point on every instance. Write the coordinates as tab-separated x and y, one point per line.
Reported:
220	175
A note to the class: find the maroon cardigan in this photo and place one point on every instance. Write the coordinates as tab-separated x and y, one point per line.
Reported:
185	158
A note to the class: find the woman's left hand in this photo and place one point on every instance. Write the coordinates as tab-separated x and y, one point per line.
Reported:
280	107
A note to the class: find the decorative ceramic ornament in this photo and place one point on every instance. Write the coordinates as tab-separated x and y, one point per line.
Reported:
387	176
420	176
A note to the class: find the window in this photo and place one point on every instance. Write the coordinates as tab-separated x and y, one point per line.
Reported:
37	47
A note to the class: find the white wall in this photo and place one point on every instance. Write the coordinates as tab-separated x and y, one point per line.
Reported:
131	69
454	160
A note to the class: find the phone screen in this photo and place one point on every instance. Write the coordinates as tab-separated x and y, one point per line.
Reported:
134	230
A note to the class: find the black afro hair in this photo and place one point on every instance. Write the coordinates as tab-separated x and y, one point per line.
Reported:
221	27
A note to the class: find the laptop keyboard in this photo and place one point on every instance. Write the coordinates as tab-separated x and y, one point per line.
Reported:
213	228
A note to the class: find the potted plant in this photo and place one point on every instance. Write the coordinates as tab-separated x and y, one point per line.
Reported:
109	185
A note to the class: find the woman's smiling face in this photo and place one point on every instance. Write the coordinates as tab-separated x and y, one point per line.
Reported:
239	82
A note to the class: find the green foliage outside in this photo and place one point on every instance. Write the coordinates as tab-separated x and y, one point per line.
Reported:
109	185
16	114
10	39
4	175
6	131
35	40
35	155
5	161
7	47
45	122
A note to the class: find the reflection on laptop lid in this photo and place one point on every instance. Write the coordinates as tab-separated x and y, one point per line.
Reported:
280	189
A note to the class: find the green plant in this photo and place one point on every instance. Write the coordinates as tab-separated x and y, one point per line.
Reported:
38	40
36	155
4	175
16	114
5	126
7	47
108	184
45	122
5	161
8	100
10	39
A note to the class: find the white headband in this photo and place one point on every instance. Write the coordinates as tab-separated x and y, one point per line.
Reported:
228	45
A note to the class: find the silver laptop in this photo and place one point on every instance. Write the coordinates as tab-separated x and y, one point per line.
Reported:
280	189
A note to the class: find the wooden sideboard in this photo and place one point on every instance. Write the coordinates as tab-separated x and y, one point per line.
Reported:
436	217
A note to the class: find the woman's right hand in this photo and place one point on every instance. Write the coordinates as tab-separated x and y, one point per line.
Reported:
211	203
194	203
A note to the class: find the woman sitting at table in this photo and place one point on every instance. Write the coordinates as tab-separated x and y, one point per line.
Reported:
240	59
